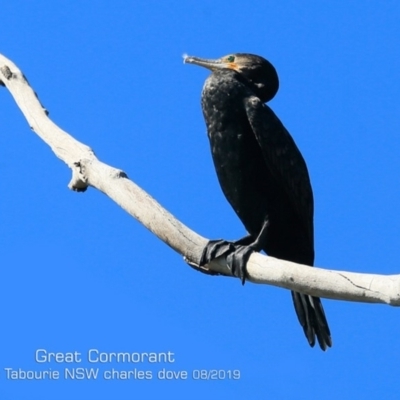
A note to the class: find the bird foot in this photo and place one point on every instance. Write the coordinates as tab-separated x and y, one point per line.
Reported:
236	256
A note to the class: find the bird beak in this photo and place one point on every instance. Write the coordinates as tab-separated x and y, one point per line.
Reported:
209	64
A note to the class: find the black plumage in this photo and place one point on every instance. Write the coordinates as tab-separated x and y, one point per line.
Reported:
262	174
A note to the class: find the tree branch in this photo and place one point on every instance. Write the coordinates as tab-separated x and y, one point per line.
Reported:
87	170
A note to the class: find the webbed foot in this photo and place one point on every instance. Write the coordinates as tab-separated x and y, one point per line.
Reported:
237	253
237	261
236	256
214	249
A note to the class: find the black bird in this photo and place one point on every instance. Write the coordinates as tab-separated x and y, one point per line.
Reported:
262	174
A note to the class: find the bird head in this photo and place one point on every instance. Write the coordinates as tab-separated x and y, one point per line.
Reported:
259	72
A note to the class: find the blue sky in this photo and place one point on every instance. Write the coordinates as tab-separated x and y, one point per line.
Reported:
78	273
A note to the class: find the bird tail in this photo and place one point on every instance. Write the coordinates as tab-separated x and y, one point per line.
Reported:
312	318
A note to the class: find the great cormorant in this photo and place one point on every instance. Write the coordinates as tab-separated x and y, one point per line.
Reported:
262	174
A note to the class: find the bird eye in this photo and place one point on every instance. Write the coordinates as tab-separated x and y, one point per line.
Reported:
230	59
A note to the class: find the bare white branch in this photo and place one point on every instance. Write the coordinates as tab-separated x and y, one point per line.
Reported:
87	170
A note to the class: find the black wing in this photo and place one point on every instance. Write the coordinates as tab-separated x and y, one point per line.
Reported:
287	165
283	159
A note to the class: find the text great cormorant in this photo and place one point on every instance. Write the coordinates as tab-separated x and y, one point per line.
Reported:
262	174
